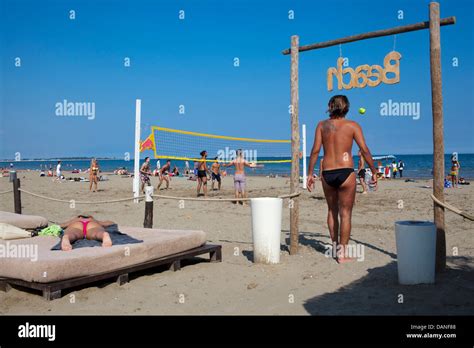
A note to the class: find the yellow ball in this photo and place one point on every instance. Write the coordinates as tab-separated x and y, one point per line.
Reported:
361	111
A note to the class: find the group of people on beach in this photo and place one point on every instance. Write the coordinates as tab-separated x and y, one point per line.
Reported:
202	173
387	172
239	163
391	170
93	170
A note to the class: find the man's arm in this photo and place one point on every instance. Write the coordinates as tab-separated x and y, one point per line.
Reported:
251	165
364	150
315	150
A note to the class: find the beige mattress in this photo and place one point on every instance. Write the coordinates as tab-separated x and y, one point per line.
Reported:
27	222
59	265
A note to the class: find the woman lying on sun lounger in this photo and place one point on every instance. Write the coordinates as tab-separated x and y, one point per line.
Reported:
85	226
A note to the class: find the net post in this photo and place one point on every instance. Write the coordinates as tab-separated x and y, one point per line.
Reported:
303	141
295	144
136	167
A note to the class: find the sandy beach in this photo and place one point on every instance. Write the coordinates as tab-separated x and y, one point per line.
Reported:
307	283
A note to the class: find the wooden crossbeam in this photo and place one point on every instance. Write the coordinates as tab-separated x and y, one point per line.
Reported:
370	35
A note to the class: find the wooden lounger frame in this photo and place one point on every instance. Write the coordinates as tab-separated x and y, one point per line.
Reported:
52	290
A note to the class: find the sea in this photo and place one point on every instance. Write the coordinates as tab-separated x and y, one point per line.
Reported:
416	166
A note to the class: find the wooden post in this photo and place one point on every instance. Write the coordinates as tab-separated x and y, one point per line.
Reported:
16	193
295	146
438	141
148	222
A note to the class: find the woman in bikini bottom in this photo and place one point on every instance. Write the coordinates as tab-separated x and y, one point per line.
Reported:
85	227
336	177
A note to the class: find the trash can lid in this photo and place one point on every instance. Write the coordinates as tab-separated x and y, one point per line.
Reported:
265	199
414	223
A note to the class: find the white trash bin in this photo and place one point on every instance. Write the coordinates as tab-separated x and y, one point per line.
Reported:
416	251
266	229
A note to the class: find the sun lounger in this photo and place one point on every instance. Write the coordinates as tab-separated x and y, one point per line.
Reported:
27	222
54	271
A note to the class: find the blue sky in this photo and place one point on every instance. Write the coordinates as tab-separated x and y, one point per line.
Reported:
190	62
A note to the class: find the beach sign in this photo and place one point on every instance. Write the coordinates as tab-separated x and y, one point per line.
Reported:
366	75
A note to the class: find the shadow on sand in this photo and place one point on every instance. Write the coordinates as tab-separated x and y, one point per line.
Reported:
313	240
378	293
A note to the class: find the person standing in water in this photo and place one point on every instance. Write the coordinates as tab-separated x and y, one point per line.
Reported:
336	135
93	174
400	166
394	169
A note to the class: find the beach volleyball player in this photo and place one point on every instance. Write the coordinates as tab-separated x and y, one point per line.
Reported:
336	134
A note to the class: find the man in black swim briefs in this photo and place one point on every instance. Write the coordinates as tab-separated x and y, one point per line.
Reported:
338	178
202	174
215	174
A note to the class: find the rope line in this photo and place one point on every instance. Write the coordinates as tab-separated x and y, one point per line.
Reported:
452	208
80	202
291	195
2	193
295	194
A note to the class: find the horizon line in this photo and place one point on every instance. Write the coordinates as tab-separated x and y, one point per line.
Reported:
115	158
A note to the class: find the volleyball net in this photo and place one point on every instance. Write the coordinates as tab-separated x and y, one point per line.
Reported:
174	144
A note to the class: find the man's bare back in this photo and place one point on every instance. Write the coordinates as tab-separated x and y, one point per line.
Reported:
240	164
337	135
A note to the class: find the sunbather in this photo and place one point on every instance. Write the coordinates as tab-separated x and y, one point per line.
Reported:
85	226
